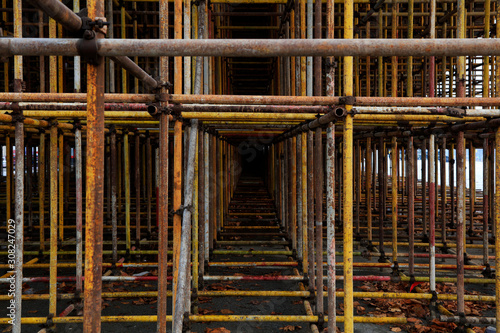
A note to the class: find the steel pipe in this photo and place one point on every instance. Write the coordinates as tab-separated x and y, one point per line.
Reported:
254	48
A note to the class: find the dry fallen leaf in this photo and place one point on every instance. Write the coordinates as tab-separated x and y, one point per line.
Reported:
290	328
226	311
395	329
217	330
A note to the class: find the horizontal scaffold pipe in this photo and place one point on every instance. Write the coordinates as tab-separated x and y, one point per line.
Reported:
76	106
207	318
7	118
257	116
270	293
258	100
255	47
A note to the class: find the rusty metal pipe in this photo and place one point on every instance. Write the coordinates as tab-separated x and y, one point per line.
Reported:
323	120
442	162
137	174
163	222
130	66
18	226
257	100
411	205
185	241
95	187
486	213
310	209
72	22
318	191
460	226
255	47
330	220
79	206
114	212
381	216
59	12
53	220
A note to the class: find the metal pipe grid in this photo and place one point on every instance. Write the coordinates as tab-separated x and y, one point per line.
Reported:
205	75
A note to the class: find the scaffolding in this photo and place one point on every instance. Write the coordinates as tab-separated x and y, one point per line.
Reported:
369	123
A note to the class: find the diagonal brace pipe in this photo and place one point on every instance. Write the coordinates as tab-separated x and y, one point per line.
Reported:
72	22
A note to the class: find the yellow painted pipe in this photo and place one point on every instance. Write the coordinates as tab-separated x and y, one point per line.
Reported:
272	293
61	187
209	318
126	161
41	189
53	221
412	117
347	152
248	116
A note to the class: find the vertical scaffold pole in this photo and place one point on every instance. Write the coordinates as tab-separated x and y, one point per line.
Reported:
347	176
184	266
460	227
137	173
19	178
318	189
298	210
19	221
114	215
304	202
486	193
79	209
394	210
41	189
176	202
411	206
126	171
330	225
432	220
163	174
95	186
310	209
53	221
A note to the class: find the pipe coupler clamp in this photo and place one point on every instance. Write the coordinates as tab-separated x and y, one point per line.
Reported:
434	297
329	63
395	269
445	248
49	323
77	125
321	321
487	272
186	324
87	48
382	258
166	85
176	116
17	115
181	210
353	112
455	112
53	123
